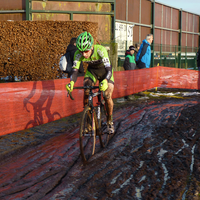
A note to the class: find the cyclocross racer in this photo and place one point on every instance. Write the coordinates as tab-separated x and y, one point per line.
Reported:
99	68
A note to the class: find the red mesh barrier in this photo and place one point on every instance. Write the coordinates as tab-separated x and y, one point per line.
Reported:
28	104
178	78
130	82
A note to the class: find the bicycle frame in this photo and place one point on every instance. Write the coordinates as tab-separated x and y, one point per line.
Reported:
95	126
90	98
91	94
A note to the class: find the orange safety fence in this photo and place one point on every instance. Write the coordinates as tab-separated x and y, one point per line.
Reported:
27	104
178	78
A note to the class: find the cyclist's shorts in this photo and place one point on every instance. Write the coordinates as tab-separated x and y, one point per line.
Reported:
98	74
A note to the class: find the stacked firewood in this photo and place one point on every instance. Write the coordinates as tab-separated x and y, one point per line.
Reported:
31	50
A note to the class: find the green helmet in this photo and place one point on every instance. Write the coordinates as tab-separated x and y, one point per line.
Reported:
84	41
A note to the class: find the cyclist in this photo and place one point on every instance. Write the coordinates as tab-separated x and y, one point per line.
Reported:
99	68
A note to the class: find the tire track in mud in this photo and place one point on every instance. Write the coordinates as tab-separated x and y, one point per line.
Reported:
154	154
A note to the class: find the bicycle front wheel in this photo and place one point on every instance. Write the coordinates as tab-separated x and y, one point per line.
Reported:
87	136
102	122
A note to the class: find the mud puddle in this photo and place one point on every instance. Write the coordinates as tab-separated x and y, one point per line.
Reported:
154	154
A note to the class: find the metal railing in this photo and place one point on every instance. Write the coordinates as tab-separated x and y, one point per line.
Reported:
170	56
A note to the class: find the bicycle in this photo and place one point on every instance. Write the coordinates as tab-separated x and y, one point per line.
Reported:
93	123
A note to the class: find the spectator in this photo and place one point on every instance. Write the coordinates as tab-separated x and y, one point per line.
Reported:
137	47
198	59
143	58
72	49
129	63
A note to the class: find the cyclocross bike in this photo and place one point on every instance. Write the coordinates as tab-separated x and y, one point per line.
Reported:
93	123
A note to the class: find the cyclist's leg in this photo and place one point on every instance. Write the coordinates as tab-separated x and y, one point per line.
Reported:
109	106
108	97
108	100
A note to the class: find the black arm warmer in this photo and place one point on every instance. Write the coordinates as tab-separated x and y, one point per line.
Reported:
74	75
109	72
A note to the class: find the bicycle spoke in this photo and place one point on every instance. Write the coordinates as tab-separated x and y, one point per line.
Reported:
87	134
104	137
90	126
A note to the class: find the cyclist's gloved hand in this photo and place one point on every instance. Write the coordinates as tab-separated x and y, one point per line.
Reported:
70	86
103	85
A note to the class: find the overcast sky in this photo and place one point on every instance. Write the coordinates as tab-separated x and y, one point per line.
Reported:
187	5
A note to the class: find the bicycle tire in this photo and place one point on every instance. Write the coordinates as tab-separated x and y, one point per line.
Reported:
87	136
102	122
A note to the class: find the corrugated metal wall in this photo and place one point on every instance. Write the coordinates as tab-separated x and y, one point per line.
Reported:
12	4
138	11
15	6
167	22
167	30
164	19
104	21
121	9
190	28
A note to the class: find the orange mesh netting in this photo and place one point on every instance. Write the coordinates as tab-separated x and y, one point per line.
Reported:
28	104
178	78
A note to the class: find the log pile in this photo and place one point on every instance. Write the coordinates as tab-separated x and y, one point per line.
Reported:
31	50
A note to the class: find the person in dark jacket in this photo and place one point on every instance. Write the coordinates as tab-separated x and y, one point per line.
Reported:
129	63
198	59
143	58
72	49
137	47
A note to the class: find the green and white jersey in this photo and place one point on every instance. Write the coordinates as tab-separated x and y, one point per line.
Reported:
99	58
99	66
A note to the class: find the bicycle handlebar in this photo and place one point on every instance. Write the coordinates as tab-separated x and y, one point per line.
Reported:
82	87
70	94
87	87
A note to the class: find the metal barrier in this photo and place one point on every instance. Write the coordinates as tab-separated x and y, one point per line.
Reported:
169	56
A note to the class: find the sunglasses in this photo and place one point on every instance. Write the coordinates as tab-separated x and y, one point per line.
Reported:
84	51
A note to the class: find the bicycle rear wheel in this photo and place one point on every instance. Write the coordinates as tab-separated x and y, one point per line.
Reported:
87	136
102	122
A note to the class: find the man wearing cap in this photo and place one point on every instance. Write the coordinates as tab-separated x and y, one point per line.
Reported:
129	63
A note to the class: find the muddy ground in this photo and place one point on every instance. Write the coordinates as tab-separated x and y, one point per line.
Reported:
154	154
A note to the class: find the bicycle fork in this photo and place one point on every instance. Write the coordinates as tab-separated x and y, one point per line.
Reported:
98	112
91	128
93	125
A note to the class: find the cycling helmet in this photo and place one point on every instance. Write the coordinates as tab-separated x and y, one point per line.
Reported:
84	41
